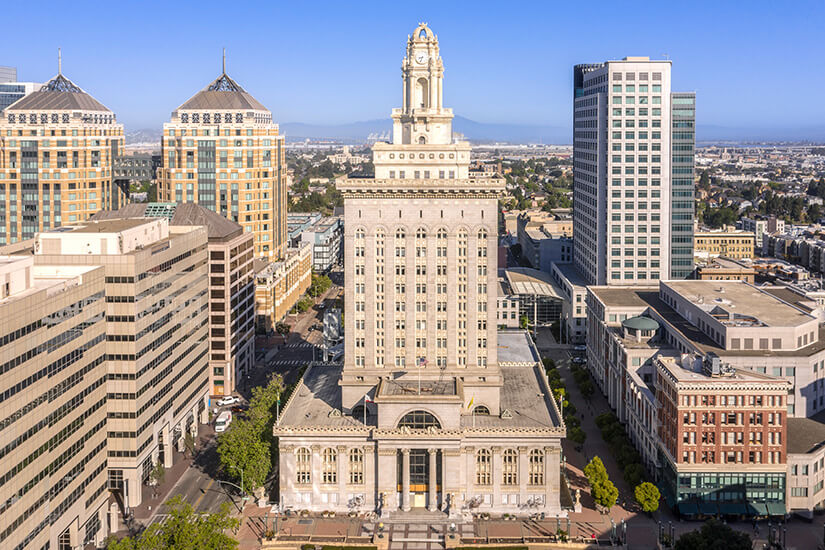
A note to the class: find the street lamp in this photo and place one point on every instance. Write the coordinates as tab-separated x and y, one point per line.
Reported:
243	492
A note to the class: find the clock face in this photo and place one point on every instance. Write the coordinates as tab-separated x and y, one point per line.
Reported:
420	58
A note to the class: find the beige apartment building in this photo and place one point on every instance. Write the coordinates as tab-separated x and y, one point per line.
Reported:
222	151
433	407
57	150
157	336
231	286
279	285
53	404
731	244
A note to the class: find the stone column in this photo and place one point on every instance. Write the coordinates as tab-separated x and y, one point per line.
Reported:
195	420
405	480
387	482
497	476
343	462
370	483
552	478
167	444
452	482
523	473
315	477
433	480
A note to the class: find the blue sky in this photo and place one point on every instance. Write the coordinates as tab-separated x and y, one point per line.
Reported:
752	64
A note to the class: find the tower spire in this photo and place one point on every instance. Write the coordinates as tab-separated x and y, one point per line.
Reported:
59	61
223	65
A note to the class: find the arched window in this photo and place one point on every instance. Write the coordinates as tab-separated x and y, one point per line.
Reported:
422	140
329	471
419	420
356	466
399	234
482	235
359	234
509	467
442	234
484	467
481	410
536	466
303	469
421	233
422	93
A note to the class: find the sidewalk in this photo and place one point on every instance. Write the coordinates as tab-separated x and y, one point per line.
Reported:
180	464
641	528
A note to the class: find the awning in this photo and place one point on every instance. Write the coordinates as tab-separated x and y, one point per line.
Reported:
732	508
757	509
776	508
708	508
688	508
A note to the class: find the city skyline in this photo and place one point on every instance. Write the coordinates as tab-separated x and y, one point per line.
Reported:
721	52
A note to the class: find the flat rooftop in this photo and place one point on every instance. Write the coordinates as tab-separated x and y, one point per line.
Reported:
742	298
516	347
648	298
805	435
571	274
683	374
102	226
524	280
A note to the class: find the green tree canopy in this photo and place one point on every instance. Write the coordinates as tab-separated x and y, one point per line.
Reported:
605	494
714	536
647	495
242	447
595	471
184	529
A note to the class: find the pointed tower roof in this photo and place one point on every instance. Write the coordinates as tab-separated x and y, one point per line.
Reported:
223	93
58	94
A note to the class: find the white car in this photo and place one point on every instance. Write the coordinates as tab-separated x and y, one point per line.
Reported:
579	360
229	400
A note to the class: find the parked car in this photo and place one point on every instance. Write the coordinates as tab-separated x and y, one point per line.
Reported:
580	348
228	400
223	421
579	360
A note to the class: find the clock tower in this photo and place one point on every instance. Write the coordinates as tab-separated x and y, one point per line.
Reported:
422	120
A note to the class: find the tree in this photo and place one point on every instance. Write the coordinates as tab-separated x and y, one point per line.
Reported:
184	529
704	181
189	443
647	495
595	472
714	536
523	322
605	494
241	447
156	476
262	404
282	328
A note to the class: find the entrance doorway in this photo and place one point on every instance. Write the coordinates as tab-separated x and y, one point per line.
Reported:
419	477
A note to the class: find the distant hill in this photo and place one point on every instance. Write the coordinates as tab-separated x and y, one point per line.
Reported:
472	130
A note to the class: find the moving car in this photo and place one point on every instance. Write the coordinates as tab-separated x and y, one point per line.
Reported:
228	400
580	348
223	421
579	360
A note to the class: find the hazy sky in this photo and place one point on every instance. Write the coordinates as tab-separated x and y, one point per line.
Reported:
752	63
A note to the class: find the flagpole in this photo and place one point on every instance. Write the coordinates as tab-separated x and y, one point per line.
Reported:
365	412
419	376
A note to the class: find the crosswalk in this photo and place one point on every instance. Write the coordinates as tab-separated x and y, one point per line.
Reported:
291	363
299	345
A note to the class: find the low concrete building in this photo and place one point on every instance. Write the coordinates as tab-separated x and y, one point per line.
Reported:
574	306
298	222
507	305
326	237
545	239
806	465
759	225
279	286
726	269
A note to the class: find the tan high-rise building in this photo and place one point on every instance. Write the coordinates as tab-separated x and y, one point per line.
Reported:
222	151
433	407
52	404
57	149
156	294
